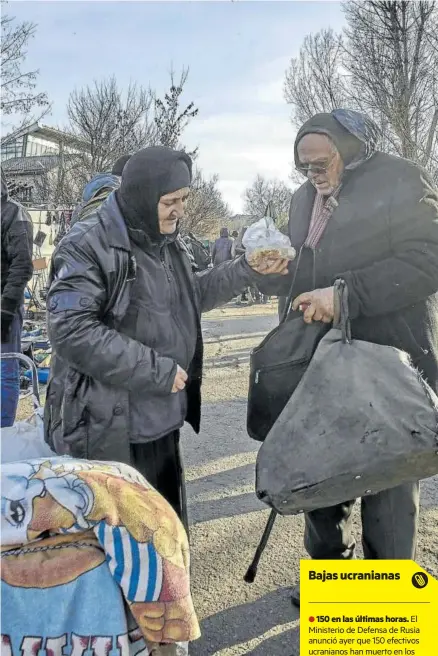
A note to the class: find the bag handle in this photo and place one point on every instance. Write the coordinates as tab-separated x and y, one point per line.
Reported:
289	298
341	319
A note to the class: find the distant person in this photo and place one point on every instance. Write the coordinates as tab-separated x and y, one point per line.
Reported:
119	165
201	254
237	250
16	271
222	247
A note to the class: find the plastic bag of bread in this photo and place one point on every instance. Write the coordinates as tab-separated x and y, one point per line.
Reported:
264	241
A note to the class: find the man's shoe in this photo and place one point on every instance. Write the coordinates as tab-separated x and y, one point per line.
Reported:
295	596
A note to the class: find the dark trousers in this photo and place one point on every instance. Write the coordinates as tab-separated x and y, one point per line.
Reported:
10	370
389	527
160	462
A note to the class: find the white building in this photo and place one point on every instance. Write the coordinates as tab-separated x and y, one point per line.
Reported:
30	153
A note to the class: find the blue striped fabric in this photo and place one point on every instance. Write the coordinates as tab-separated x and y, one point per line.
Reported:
93	501
135	566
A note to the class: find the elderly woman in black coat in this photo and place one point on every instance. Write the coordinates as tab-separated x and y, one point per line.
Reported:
372	220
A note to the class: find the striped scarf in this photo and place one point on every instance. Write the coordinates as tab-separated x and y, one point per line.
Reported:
321	213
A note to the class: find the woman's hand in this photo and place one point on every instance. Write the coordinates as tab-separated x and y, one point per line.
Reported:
268	267
318	305
180	380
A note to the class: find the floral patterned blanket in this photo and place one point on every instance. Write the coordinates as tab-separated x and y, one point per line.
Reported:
80	542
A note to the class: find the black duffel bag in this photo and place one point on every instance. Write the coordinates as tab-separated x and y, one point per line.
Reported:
362	420
277	366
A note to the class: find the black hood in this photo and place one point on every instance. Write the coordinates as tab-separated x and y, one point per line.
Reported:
4	187
148	175
354	134
346	143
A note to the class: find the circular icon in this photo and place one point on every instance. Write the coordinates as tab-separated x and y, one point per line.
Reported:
420	580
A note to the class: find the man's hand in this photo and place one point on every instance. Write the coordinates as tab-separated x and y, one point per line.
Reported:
180	380
318	305
268	267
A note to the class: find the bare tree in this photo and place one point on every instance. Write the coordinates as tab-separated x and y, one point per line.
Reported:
314	81
384	64
62	186
170	119
393	67
263	192
110	122
206	211
18	86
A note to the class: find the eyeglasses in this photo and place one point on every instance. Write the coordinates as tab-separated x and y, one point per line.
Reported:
305	169
317	169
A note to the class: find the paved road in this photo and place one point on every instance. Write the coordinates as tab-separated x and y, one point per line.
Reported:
238	326
227	522
234	337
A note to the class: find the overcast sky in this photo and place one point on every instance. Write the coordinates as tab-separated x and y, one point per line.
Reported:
237	53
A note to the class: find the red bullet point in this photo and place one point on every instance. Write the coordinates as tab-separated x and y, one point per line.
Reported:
311	619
